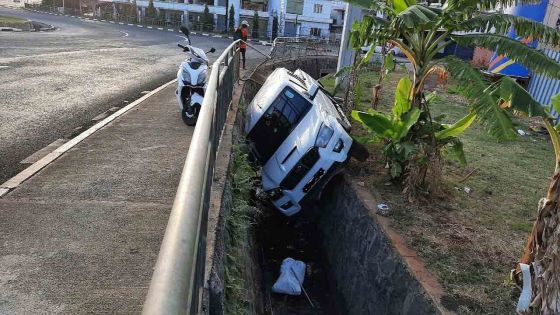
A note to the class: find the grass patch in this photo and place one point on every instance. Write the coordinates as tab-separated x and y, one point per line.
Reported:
238	295
11	21
470	241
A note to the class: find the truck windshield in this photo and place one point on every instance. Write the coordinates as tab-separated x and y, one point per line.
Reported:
277	122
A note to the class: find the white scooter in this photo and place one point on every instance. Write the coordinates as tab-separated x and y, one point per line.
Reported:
192	80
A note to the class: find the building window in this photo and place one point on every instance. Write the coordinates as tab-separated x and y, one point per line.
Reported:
318	8
294	6
315	31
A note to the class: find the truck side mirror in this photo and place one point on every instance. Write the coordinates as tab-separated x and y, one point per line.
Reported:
313	90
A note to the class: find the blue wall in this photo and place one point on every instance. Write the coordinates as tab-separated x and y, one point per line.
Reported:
501	64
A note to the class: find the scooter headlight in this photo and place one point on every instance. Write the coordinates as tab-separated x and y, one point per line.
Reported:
201	78
324	136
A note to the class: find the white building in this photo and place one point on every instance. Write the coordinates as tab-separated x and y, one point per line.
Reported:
318	18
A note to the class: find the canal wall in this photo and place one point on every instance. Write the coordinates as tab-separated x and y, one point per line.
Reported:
373	270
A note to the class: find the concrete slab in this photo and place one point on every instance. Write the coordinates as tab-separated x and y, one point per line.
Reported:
82	235
43	152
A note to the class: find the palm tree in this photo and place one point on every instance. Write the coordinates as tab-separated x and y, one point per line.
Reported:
420	32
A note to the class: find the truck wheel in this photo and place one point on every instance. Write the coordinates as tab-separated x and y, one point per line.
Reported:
358	151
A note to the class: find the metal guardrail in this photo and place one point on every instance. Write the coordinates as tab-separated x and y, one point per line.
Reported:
177	281
295	47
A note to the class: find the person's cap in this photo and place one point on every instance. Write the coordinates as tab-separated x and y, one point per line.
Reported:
245	23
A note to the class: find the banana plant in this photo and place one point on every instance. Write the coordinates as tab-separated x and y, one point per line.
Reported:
394	130
421	31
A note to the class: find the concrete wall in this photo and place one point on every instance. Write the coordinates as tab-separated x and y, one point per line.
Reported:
369	273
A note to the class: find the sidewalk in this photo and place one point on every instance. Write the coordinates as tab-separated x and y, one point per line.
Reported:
83	234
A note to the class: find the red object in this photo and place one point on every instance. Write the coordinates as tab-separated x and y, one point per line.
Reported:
244	35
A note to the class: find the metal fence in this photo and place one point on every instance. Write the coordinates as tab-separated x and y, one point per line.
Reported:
542	88
294	47
177	282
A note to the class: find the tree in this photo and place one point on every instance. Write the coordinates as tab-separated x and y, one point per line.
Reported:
151	11
231	19
274	27
133	9
207	19
47	3
255	31
420	32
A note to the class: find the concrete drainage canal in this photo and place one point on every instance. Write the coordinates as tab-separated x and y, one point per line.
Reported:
353	265
279	237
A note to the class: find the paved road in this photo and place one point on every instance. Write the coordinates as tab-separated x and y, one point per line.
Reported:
54	82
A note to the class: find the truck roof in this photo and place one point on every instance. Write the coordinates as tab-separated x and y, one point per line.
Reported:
275	82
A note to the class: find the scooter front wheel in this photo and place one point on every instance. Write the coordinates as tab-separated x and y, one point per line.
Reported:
190	116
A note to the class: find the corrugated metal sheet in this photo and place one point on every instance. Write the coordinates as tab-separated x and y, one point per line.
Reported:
543	88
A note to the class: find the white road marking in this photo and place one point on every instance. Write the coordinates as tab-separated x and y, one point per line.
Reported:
130	24
124	33
160	28
140	25
149	27
121	23
112	22
170	30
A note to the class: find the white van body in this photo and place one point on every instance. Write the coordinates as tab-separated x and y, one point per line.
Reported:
298	137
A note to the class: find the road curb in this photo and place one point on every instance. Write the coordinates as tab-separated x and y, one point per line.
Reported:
254	41
34	168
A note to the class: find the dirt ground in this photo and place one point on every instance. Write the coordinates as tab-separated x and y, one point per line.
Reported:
472	235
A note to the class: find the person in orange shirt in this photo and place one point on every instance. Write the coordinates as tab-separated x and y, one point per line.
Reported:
243	31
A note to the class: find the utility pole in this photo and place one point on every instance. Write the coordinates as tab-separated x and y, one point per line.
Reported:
345	54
